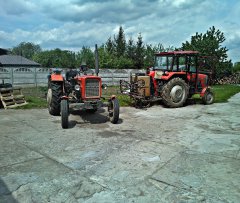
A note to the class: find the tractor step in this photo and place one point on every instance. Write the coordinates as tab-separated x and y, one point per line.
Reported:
12	97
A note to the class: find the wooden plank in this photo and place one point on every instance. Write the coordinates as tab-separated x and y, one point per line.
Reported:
20	101
16	105
6	94
7	98
9	103
18	96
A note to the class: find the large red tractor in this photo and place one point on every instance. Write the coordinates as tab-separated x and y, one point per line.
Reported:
174	78
78	91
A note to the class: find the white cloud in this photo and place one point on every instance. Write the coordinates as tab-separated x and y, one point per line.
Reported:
74	23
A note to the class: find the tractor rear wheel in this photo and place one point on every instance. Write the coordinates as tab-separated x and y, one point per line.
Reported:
64	113
91	110
208	97
54	98
113	109
175	93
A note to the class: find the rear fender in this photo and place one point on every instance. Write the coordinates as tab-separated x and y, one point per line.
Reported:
204	90
55	77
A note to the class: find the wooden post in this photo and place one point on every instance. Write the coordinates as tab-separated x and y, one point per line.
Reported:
12	80
35	74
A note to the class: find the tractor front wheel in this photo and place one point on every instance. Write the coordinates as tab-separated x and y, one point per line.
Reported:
64	113
208	97
113	110
175	93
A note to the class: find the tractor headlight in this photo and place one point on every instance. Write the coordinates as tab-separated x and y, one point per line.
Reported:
104	86
77	87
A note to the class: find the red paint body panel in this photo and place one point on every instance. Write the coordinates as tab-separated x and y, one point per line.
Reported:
166	77
151	74
82	82
203	91
190	77
55	77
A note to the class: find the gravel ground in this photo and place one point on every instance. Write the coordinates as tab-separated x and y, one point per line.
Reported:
189	154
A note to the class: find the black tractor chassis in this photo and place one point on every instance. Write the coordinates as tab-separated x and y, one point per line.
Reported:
86	105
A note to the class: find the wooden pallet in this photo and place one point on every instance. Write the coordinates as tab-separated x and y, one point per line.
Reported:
12	97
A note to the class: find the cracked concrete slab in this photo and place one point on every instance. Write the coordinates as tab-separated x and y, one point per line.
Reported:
189	154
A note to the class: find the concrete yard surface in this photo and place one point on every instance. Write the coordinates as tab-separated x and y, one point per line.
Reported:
189	154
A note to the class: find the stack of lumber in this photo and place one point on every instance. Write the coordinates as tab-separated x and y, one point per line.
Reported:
232	79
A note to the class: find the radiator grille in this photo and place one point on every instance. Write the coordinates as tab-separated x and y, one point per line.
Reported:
92	88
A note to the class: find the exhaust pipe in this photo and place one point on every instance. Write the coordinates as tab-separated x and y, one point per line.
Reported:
96	60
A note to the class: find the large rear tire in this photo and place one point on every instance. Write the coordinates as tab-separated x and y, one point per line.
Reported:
92	111
64	113
175	93
114	110
54	98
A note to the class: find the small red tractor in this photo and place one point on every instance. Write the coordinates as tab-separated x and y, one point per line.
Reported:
174	78
78	91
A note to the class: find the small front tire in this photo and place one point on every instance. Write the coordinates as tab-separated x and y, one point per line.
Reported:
64	113
114	110
208	97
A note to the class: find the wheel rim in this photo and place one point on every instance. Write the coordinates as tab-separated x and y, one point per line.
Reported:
209	97
177	93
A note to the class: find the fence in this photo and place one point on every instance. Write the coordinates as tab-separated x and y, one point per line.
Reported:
37	76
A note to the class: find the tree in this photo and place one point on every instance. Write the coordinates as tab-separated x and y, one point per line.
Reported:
236	67
149	53
139	53
149	56
120	42
130	49
109	46
26	49
55	58
85	56
105	58
210	44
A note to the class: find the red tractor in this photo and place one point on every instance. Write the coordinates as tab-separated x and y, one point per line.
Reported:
78	91
174	78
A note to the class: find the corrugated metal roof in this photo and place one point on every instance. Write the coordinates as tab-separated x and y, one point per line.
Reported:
16	60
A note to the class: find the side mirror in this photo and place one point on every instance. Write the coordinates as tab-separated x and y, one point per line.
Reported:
104	86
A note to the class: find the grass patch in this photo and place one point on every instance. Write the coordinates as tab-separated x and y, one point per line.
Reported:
33	102
124	100
221	93
224	92
36	96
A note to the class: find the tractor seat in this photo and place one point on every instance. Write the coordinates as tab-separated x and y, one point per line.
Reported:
70	75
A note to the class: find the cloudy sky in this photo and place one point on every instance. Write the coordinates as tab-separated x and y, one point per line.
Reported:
71	24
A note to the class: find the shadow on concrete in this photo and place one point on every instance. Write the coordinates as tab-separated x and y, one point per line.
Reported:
5	194
98	117
90	117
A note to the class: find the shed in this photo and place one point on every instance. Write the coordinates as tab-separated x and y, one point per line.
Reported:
3	51
16	69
